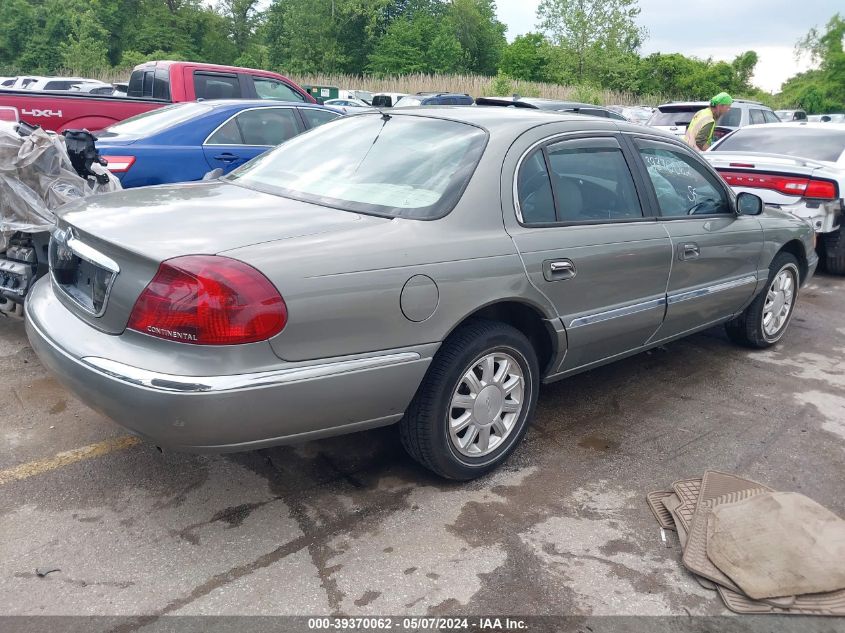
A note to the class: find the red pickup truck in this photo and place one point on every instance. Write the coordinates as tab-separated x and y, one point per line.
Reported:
151	85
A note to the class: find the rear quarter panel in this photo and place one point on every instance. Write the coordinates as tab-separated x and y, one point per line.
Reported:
780	228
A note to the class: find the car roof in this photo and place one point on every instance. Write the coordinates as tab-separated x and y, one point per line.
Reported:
538	101
491	118
256	103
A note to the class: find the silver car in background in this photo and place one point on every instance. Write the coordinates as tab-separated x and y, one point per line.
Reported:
429	267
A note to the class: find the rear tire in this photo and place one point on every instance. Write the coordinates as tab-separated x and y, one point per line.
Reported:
834	250
765	321
475	401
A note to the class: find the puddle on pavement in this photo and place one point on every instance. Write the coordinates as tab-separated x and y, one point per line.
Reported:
598	443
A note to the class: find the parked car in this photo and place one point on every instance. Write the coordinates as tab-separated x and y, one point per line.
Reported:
434	99
185	141
791	115
152	85
430	277
550	104
62	84
386	99
362	95
674	117
347	105
798	168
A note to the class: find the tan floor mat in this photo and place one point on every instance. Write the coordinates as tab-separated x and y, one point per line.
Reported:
778	543
716	488
672	504
811	604
687	491
655	502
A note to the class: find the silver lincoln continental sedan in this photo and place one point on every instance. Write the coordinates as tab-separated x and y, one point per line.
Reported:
426	267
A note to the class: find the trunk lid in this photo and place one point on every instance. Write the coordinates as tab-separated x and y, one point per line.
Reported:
750	166
133	231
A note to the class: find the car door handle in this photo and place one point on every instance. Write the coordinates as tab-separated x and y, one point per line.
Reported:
689	250
558	270
226	157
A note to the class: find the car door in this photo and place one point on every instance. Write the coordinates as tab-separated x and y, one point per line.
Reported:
716	252
588	246
248	134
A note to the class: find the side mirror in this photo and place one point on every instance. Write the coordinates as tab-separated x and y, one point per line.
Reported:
748	204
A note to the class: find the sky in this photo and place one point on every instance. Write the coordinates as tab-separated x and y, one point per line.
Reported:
726	29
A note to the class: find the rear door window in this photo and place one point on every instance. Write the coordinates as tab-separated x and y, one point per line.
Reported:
534	188
267	88
592	182
216	86
757	117
227	134
268	126
161	84
770	117
315	117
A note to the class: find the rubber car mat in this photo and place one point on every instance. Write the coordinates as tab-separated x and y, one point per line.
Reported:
832	603
655	502
688	491
716	488
778	544
672	504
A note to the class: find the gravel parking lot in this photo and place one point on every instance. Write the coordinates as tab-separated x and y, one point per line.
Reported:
352	526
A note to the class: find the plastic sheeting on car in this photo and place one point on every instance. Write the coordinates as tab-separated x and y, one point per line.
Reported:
36	178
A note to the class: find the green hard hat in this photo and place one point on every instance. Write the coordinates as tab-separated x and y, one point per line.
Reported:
723	98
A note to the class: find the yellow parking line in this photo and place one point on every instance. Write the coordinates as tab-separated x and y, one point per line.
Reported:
59	460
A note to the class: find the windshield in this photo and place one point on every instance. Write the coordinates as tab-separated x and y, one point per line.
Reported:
156	121
401	166
805	142
680	117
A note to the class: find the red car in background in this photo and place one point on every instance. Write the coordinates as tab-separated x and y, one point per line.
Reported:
151	85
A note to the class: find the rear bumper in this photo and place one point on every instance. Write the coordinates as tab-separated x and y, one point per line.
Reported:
222	413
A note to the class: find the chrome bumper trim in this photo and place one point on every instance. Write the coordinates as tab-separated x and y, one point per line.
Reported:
205	384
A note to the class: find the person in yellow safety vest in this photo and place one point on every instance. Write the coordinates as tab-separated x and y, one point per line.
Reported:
700	129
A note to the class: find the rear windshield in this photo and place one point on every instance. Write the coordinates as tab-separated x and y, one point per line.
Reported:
816	144
679	117
407	101
401	166
156	121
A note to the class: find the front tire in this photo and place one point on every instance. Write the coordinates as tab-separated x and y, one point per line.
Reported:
764	322
474	404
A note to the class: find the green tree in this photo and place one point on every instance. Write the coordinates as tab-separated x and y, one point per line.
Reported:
591	29
826	49
528	57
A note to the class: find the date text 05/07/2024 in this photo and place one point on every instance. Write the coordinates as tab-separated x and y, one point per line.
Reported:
416	624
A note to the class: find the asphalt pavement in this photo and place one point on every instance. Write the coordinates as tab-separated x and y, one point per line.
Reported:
352	526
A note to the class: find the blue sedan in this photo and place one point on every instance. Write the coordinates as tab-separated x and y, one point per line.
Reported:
187	140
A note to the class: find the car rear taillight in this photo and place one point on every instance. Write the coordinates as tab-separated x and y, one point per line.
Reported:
787	185
9	113
209	300
119	164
